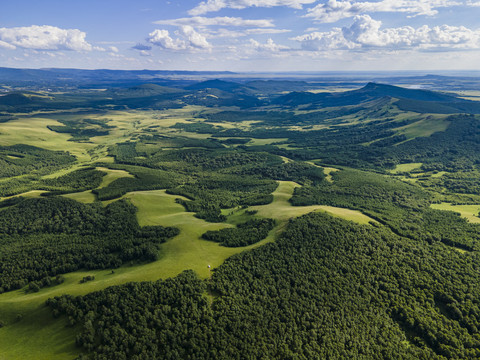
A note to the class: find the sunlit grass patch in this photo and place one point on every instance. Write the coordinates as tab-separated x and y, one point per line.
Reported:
469	212
401	168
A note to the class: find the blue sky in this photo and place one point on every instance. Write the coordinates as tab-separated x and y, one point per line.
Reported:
242	35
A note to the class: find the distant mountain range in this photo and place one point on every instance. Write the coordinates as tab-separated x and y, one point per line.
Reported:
132	89
267	83
102	77
423	101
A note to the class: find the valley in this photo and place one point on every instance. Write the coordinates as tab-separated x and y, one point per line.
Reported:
218	218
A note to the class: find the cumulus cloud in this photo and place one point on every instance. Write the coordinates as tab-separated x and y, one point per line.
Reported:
162	38
216	5
6	45
227	33
188	39
216	21
334	10
269	46
366	33
319	41
193	38
44	38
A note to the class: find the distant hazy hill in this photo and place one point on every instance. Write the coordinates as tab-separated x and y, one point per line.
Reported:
76	77
218	93
21	99
146	90
408	99
14	99
215	84
271	87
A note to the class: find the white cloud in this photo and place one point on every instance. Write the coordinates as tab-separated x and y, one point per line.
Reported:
319	41
226	33
216	5
334	10
162	38
7	45
193	38
216	21
269	46
365	33
189	39
113	49
44	38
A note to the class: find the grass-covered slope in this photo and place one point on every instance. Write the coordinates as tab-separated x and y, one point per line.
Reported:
253	195
364	294
43	238
422	101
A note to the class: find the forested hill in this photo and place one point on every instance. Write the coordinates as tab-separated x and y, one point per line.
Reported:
78	76
163	93
327	289
223	218
409	99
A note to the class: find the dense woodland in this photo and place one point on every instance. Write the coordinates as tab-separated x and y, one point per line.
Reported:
244	234
21	159
326	289
42	238
404	286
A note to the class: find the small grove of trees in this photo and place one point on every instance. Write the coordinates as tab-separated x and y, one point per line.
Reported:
45	237
244	234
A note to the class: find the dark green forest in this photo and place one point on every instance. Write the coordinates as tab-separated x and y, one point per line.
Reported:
327	288
212	153
43	238
244	234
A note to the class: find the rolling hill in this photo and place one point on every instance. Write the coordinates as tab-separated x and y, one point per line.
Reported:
423	101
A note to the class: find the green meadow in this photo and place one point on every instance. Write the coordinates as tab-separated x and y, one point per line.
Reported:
425	127
195	161
19	340
281	209
469	212
402	168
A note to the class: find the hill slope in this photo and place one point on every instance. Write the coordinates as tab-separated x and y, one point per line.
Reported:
410	99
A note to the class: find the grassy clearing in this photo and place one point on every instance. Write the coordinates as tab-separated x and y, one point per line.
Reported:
192	135
327	170
33	131
469	212
347	214
424	127
86	197
286	160
64	171
259	142
281	209
112	175
401	168
22	339
28	194
461	251
439	174
467	94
